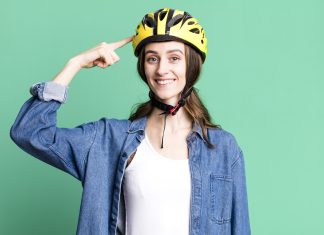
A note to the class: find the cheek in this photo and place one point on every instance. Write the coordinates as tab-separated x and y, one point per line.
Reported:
148	75
180	71
145	70
181	67
148	70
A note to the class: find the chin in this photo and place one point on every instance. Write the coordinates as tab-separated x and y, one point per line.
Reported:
167	97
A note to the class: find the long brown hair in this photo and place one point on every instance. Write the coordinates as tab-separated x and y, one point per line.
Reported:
194	106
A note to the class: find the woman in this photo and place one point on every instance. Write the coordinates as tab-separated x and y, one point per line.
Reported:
166	169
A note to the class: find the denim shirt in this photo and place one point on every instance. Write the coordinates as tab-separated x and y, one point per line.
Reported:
96	153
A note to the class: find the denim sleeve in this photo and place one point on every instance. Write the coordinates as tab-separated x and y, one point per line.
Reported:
35	131
240	208
47	91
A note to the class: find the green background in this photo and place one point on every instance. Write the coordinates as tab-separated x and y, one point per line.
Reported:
262	81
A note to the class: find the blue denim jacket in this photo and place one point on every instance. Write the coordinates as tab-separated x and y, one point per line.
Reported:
96	153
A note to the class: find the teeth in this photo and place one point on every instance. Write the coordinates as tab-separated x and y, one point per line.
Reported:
163	82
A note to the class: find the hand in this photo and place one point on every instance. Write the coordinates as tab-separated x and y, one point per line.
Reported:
103	55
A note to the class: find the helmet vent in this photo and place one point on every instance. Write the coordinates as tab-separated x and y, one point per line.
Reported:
195	30
191	23
175	20
149	22
162	15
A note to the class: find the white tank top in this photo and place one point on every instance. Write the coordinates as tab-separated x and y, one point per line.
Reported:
157	193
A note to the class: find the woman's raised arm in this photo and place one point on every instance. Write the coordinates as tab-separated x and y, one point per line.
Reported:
103	55
35	128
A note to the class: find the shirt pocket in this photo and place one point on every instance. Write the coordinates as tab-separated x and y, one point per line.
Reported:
221	187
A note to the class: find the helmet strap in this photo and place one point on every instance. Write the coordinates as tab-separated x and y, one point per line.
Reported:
168	109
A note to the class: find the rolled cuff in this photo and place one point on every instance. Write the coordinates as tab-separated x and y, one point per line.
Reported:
47	91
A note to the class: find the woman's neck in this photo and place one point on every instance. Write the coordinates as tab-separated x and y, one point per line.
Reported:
180	121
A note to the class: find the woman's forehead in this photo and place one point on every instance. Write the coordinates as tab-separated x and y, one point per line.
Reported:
164	47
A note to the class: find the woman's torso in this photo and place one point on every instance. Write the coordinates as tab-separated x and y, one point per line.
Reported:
157	193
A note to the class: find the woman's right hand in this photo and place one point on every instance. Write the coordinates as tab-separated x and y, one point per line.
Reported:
103	55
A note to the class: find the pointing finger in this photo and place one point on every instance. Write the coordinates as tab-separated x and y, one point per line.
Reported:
121	43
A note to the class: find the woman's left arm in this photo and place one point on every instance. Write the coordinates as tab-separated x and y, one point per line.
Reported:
240	209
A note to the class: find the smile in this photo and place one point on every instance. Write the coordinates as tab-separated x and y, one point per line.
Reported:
164	82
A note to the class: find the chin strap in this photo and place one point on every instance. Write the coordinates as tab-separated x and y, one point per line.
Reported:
168	109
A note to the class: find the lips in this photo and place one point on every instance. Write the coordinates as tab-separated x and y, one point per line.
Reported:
165	79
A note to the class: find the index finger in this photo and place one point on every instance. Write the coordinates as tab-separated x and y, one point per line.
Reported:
122	42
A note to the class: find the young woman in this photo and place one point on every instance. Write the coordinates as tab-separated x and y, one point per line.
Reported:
167	169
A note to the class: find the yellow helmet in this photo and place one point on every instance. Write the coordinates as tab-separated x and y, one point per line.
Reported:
170	24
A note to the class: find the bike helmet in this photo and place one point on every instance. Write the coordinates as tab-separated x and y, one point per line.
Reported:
169	24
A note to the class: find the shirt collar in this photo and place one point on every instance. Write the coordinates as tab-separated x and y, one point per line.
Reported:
140	123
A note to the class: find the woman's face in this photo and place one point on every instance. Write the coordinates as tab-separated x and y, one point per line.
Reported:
165	70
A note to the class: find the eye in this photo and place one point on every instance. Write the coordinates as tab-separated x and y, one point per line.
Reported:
175	58
151	59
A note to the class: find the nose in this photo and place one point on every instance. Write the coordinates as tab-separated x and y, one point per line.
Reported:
163	67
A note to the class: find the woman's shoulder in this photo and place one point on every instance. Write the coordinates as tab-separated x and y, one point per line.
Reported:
221	134
224	139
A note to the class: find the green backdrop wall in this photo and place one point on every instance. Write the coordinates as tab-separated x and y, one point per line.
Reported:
262	81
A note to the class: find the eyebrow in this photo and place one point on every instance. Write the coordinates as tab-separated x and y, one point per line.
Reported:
154	52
